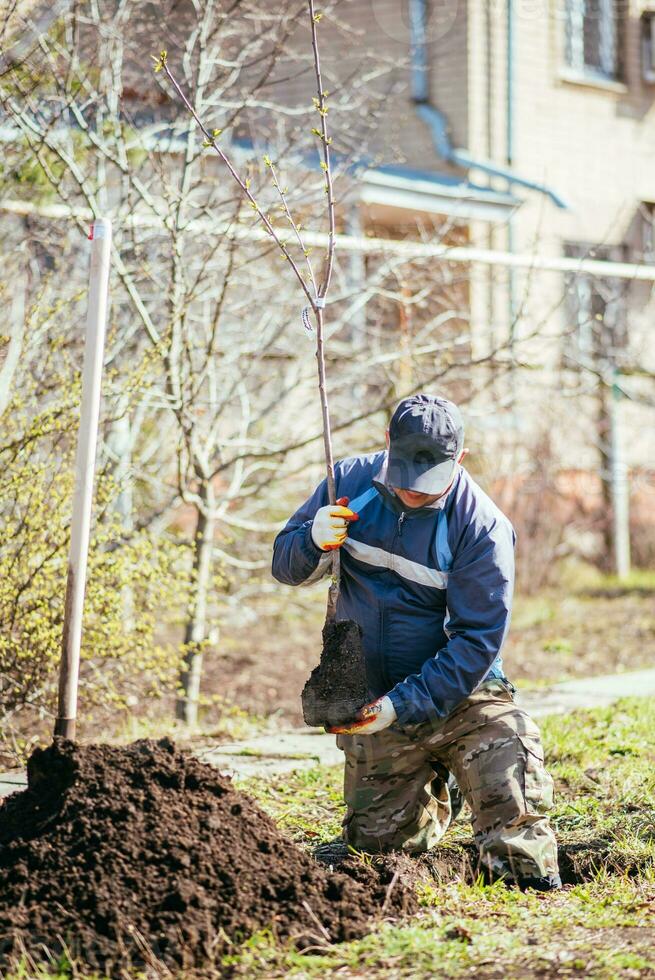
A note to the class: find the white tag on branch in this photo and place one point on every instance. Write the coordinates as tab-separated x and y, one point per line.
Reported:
306	322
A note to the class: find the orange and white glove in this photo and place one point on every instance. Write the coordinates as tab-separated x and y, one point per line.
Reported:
330	525
373	717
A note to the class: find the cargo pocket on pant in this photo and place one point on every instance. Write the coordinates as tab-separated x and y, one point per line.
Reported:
538	783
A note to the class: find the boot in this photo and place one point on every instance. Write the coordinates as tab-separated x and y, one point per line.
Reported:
455	793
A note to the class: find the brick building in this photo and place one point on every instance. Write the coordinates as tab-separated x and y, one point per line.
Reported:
529	127
548	105
551	105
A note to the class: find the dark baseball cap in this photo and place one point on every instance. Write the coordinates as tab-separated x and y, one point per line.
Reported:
426	438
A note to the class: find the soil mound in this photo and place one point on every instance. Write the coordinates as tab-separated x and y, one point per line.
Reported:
337	688
121	853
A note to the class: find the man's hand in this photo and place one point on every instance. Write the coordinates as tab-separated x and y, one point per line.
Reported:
371	718
330	525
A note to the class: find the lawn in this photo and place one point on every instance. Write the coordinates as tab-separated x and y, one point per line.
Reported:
602	924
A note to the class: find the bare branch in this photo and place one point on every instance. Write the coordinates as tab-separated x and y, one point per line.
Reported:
210	140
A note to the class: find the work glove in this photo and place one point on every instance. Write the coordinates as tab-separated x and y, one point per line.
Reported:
330	525
373	717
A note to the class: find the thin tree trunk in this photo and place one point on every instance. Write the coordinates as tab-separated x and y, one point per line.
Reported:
333	591
195	633
119	443
605	461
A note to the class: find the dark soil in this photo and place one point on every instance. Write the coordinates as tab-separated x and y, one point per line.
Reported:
578	863
337	688
125	854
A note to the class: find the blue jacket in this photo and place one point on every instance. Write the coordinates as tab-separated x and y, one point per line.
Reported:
431	587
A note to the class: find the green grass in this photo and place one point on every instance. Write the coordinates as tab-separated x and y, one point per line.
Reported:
601	927
306	804
596	929
603	765
533	611
575	575
638	578
235	724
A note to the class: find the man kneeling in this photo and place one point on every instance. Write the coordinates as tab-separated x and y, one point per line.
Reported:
427	564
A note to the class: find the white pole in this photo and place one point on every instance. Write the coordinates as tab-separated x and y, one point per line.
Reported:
84	474
620	489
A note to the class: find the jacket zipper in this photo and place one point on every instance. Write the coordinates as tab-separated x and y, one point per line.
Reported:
401	520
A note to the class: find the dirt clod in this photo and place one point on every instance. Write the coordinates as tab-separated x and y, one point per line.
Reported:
337	688
121	854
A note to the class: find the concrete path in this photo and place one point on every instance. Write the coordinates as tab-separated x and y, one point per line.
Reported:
304	748
301	748
12	781
588	692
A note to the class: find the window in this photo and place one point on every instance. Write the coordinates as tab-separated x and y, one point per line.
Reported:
596	310
647	223
648	47
593	31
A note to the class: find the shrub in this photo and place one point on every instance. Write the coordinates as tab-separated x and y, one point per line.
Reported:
131	583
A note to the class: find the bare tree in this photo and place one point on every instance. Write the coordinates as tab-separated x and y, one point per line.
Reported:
204	319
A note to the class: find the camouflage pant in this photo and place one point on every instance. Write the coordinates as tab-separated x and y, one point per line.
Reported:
396	802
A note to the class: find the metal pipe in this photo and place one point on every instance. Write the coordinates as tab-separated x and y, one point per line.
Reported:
437	121
635	271
509	94
509	157
489	106
420	84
